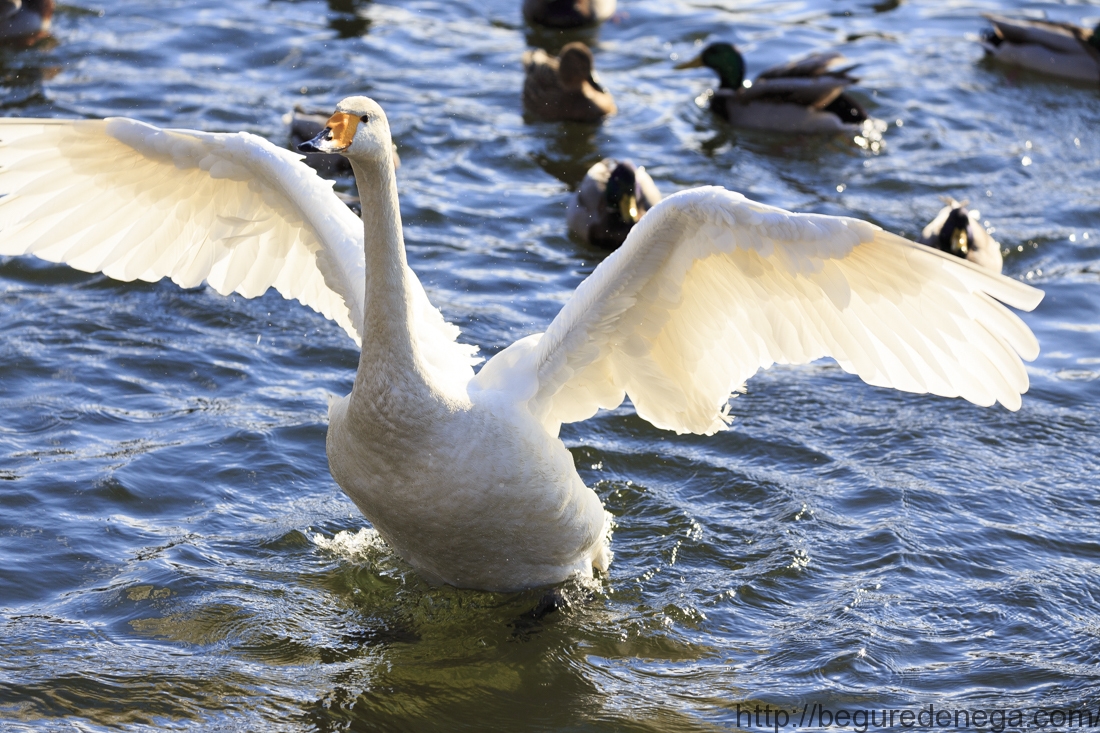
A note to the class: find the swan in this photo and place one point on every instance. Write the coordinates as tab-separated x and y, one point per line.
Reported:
463	474
565	88
959	230
807	95
1058	49
611	199
567	13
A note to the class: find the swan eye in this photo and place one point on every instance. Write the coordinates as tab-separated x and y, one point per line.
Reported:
365	118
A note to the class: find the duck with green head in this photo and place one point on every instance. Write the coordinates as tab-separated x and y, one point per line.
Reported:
808	95
959	231
611	199
1058	49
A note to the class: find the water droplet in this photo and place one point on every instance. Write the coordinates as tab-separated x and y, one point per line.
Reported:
1073	237
1025	161
899	122
840	188
1077	141
1027	144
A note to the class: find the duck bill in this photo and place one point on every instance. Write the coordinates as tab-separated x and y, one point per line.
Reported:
960	243
695	63
336	137
628	208
595	82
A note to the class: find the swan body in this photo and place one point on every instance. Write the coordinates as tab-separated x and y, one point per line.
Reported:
803	96
1058	49
565	88
464	474
25	21
959	230
611	199
567	13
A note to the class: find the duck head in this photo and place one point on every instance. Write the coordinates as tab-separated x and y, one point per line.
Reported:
622	200
576	66
954	236
723	58
358	128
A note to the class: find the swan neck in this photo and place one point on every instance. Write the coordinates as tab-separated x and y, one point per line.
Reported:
389	348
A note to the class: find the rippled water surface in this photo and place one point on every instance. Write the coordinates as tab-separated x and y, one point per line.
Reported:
175	555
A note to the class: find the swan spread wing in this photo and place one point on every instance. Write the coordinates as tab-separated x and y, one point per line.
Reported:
137	202
710	287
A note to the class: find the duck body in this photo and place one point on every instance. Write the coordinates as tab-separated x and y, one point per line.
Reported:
464	475
959	231
807	95
567	13
1057	49
25	20
611	199
564	88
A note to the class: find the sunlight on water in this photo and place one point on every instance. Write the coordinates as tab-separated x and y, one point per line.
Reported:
176	556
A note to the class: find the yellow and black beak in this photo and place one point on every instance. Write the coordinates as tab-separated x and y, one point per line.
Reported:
695	63
628	208
336	137
960	243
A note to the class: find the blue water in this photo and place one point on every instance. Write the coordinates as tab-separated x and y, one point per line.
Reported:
175	555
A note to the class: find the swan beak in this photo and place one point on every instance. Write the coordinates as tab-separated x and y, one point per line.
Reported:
628	208
336	137
959	242
695	63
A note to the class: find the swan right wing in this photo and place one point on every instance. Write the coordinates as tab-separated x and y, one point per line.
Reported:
709	287
137	202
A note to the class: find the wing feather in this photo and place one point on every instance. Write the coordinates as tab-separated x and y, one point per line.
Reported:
710	287
134	201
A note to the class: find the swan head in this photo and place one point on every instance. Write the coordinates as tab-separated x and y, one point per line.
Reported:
357	129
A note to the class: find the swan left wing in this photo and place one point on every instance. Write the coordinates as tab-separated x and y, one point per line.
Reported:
710	287
137	202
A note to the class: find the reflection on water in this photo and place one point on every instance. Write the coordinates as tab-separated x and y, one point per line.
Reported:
175	554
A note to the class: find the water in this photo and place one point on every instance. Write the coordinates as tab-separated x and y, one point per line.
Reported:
175	555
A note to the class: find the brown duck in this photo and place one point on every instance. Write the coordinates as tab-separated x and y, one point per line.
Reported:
565	88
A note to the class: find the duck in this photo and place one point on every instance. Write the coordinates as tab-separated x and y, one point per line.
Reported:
959	230
803	96
463	473
25	21
563	14
1058	49
611	199
565	88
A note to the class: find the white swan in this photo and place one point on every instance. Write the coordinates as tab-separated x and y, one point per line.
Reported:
463	474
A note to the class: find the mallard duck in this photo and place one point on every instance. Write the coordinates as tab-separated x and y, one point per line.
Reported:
611	199
464	475
565	88
25	21
801	96
959	231
1059	49
567	13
